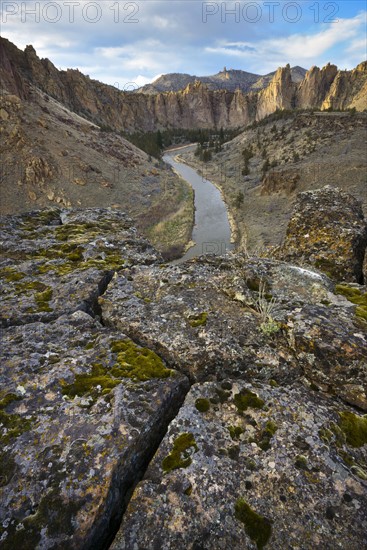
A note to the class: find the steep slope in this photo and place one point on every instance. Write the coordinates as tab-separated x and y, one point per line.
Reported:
195	106
50	156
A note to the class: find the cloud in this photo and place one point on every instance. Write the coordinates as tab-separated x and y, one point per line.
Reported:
297	48
136	40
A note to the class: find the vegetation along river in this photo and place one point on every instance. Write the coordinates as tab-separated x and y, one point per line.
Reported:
212	232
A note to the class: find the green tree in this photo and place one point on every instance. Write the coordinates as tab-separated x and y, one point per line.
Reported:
239	199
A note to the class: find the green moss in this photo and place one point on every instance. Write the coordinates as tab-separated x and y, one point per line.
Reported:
198	320
13	425
360	472
223	394
325	434
53	513
11	275
348	459
28	286
257	527
36	220
180	456
235	432
361	312
328	267
354	427
266	434
86	384
339	435
247	399
202	404
137	363
42	299
301	462
357	297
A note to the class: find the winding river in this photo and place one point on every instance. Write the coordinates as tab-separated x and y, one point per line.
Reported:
212	232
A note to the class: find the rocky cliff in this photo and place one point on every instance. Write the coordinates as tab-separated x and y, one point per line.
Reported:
255	368
196	106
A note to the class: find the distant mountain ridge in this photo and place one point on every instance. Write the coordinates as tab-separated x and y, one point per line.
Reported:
227	79
196	106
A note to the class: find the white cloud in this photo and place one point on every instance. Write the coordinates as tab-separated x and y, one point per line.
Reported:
297	48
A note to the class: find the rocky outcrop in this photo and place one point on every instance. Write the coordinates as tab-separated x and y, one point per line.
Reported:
348	89
316	85
100	343
328	230
197	106
279	94
280	181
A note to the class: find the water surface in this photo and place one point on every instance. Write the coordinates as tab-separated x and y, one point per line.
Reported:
211	232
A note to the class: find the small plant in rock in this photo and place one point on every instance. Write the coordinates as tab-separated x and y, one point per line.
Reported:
266	305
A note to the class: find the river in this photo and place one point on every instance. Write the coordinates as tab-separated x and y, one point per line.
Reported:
212	232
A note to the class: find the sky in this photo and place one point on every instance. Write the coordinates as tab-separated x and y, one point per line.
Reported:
130	43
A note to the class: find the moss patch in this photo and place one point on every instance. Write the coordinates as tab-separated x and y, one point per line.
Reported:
355	296
266	434
12	425
43	298
180	456
235	432
354	427
247	399
99	380
202	404
11	275
69	257
257	527
137	363
198	320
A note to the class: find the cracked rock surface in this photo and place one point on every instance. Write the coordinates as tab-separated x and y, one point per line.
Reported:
100	342
278	472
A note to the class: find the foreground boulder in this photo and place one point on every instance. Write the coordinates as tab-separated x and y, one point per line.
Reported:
100	342
253	466
327	230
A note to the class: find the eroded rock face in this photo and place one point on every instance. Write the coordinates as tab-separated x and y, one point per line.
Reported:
328	230
195	106
246	466
81	407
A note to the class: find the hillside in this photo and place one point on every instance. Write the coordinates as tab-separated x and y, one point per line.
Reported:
53	157
302	152
230	79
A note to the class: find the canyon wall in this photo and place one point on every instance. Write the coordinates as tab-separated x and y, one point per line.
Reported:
194	107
